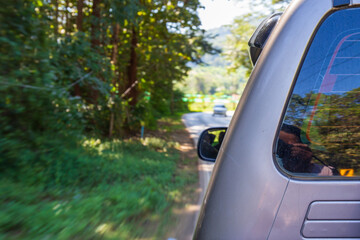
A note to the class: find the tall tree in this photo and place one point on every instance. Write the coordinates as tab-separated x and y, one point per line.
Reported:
80	15
132	68
114	59
95	24
242	29
237	51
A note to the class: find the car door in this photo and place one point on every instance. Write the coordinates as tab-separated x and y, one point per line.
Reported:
303	91
318	141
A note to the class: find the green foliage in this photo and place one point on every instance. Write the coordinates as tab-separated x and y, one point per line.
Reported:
71	70
223	73
159	144
238	50
280	1
93	60
208	107
113	183
215	80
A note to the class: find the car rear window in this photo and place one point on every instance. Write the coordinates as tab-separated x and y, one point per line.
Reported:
320	133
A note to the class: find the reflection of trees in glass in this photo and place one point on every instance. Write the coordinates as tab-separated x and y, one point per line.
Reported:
334	133
339	127
296	109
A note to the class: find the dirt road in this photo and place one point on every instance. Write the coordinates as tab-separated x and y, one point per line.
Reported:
195	124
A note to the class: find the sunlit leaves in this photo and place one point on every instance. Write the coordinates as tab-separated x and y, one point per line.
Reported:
242	29
168	37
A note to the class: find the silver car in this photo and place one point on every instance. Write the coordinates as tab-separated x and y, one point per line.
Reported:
219	109
289	164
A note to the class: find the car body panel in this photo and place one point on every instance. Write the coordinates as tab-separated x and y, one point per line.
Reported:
292	216
248	196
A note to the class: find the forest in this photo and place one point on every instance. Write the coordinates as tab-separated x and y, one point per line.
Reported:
78	80
109	64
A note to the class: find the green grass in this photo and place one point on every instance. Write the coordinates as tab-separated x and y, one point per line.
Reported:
100	190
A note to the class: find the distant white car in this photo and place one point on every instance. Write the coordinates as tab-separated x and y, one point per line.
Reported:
219	109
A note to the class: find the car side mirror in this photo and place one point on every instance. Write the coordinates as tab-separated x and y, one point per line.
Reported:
260	36
210	142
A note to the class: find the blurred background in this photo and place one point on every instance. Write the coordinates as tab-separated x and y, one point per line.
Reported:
92	94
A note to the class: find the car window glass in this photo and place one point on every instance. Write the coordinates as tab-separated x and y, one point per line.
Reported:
320	133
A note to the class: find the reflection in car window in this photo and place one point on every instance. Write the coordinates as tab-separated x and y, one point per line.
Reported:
320	134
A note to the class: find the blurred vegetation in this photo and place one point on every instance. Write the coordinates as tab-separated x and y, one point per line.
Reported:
237	51
75	76
205	103
206	107
98	189
104	66
226	73
214	80
212	77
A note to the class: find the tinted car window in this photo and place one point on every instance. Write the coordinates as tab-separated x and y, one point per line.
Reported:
320	133
221	106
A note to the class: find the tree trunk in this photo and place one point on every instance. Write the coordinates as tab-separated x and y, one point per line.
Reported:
132	69
114	58
172	111
95	24
111	127
56	23
115	43
95	42
80	15
79	25
66	24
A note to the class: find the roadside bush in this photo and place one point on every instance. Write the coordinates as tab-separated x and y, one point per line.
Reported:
115	183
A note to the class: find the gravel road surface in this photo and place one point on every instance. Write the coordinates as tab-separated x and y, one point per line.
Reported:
195	124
